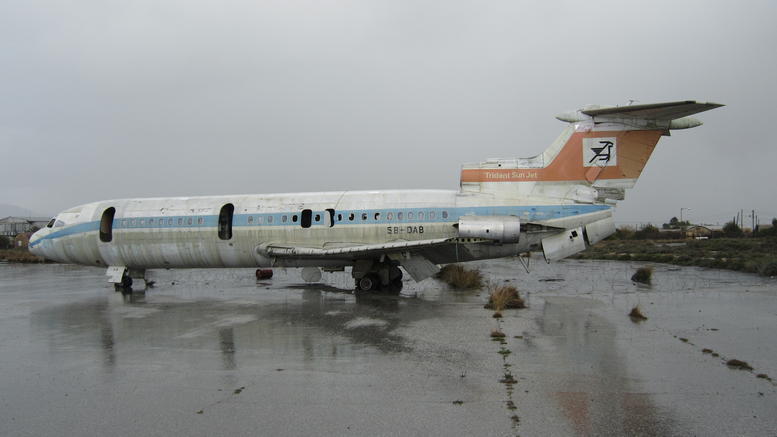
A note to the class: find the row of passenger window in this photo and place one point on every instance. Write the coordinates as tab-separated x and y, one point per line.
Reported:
181	221
269	219
353	216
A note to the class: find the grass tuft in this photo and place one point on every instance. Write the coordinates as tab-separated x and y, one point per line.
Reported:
460	278
495	333
738	364
503	297
643	275
636	315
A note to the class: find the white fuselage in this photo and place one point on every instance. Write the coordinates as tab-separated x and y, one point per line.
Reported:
184	231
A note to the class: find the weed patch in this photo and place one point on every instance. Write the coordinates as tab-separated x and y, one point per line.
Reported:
503	297
738	364
495	333
644	275
636	315
460	278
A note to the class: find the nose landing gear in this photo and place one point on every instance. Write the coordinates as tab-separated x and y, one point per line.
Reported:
122	279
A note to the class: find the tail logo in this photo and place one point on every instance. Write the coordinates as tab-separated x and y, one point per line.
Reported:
600	152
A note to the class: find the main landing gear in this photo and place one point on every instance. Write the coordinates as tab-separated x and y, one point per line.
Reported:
377	275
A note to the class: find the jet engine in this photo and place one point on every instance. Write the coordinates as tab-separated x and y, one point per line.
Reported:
499	228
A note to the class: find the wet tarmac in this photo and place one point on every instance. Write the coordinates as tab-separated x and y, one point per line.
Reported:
218	353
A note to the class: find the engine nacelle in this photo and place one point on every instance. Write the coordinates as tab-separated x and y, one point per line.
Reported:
500	228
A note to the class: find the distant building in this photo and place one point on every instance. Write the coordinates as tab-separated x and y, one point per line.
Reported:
697	231
13	226
22	240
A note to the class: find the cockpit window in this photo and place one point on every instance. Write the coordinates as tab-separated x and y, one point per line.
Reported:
51	223
59	224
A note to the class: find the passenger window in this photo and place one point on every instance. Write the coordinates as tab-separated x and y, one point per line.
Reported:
132	222
284	219
377	216
200	220
170	222
410	215
420	215
339	217
150	222
399	216
142	222
260	219
269	219
364	216
189	221
431	215
318	218
389	216
250	219
294	218
306	218
445	214
180	221
351	216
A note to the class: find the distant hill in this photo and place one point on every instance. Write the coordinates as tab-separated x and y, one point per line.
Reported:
17	211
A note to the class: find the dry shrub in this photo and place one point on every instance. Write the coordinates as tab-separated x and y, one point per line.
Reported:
503	297
495	333
738	364
643	275
636	315
460	278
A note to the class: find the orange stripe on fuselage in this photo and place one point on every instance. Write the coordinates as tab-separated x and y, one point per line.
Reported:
633	150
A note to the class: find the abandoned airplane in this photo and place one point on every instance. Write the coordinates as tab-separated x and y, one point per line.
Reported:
557	202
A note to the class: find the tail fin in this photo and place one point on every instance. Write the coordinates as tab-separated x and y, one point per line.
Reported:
599	155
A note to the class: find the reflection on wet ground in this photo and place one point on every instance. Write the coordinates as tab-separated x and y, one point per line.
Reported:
214	352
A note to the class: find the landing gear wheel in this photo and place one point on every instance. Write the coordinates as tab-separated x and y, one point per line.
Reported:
368	282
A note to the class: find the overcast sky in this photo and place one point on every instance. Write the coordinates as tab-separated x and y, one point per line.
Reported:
110	99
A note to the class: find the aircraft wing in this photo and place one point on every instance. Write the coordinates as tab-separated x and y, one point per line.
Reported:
358	251
654	111
419	257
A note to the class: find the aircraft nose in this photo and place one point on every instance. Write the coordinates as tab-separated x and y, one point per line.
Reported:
35	239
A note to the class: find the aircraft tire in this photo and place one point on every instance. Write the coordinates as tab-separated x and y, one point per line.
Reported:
368	282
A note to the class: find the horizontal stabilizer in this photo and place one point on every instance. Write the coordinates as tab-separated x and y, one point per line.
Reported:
653	111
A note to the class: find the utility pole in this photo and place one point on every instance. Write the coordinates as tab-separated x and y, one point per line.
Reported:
681	213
